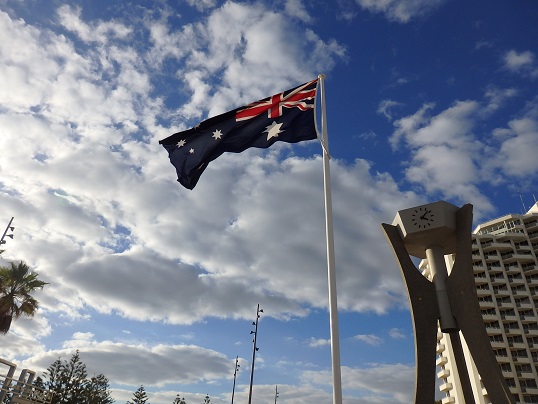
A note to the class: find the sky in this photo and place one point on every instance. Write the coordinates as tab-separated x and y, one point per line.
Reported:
157	285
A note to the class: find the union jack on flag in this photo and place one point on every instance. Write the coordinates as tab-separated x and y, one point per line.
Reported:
288	116
302	99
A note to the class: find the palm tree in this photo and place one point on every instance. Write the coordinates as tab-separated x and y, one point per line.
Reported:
16	286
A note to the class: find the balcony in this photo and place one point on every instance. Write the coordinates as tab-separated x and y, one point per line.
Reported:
533	235
448	400
479	266
530	270
497	344
531	225
483	292
512	331
442	360
443	374
496	245
512	268
532	281
523	256
488	304
516	281
531	332
445	387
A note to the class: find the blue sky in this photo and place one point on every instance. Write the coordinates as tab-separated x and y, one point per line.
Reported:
158	285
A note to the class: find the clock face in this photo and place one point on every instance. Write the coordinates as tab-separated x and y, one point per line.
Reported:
422	217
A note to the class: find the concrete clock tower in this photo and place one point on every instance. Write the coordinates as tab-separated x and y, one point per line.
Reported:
432	231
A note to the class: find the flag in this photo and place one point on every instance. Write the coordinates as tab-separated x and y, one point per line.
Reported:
288	117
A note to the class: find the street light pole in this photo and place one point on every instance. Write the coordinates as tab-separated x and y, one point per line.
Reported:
276	393
9	227
235	374
254	349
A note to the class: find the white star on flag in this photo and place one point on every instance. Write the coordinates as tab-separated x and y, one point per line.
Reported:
273	130
217	134
181	143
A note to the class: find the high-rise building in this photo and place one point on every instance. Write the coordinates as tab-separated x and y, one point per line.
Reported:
505	265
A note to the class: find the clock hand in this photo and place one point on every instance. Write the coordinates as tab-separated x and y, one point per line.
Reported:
423	216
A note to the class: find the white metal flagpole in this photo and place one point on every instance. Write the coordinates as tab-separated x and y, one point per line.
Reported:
333	307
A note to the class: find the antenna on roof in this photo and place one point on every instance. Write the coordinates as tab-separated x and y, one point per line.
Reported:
520	197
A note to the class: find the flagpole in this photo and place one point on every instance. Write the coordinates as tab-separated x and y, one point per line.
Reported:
333	307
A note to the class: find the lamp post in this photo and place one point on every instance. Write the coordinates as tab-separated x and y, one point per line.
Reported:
237	366
9	227
276	393
254	349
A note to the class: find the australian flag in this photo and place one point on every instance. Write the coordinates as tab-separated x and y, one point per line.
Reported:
288	117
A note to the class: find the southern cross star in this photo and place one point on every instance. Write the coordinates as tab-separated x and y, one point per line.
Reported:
191	151
217	134
181	143
273	130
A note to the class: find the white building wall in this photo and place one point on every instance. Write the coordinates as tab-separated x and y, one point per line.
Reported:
505	266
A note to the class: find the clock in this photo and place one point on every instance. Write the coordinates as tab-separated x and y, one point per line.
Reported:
423	217
424	226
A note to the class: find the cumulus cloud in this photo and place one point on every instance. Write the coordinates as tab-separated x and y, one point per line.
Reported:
132	365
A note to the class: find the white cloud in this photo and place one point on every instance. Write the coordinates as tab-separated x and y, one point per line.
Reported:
521	62
385	107
369	339
372	382
296	8
401	11
245	47
445	154
516	156
202	5
101	32
133	365
396	333
318	342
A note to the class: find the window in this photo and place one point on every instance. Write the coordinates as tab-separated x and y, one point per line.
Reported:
524	368
519	353
531	383
496	338
510	382
509	312
518	339
532	398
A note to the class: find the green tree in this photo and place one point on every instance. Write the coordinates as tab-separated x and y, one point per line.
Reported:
98	390
139	396
70	384
17	283
179	400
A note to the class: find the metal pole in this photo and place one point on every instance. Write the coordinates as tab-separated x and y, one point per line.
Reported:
276	393
5	231
235	374
254	349
333	307
436	261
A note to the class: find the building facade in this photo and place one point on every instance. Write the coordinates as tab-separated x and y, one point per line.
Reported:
505	265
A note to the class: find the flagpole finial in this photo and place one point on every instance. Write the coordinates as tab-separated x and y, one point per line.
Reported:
321	76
